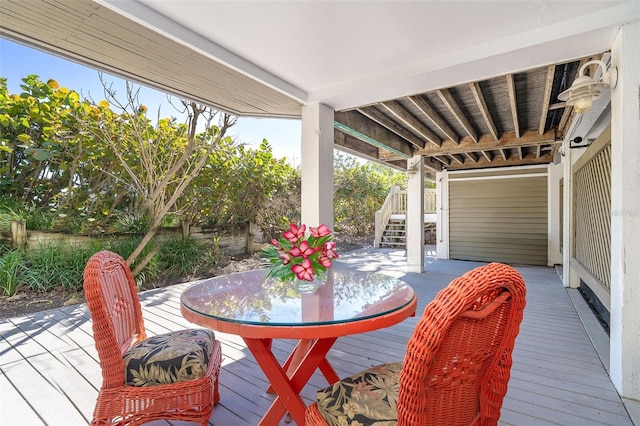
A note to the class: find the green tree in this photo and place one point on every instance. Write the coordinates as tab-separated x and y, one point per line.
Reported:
159	160
359	190
37	139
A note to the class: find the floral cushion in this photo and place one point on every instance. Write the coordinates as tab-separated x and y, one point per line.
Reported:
366	398
169	358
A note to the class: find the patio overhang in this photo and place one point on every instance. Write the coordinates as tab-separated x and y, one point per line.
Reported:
480	91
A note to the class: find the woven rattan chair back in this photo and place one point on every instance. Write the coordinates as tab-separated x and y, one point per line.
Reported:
116	314
458	360
115	311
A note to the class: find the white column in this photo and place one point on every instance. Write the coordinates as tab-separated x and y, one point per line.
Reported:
317	165
625	214
554	174
570	277
442	215
415	214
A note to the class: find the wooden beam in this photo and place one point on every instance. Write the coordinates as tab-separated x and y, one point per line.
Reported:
360	127
508	140
355	146
546	100
482	105
450	103
380	118
434	117
519	152
511	87
411	122
503	153
499	162
487	155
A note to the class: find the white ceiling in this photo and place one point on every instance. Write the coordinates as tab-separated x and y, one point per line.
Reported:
352	53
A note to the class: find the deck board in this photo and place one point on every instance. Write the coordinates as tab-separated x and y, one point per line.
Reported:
50	373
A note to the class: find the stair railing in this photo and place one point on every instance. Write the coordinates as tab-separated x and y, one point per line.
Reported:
400	204
385	212
396	203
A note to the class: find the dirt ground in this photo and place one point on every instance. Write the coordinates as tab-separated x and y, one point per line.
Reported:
28	302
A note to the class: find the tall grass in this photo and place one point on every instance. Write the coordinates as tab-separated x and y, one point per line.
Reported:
185	257
60	265
14	272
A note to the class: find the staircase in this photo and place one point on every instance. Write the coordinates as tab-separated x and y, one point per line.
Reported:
390	222
395	234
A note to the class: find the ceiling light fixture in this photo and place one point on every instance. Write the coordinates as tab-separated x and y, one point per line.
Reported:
585	90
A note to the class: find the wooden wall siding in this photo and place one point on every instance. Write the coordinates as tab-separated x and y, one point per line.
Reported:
592	216
501	220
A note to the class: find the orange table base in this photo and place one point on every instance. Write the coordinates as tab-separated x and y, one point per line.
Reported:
288	380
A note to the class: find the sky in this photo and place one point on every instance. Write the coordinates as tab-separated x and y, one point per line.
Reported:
18	61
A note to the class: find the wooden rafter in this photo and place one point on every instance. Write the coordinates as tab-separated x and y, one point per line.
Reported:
411	122
503	153
511	87
482	105
453	107
471	156
457	158
433	116
446	133
377	116
546	99
444	160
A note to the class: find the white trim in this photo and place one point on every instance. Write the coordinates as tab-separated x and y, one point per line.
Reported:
500	177
497	169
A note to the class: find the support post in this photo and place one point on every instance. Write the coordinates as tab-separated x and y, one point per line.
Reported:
415	214
317	165
625	214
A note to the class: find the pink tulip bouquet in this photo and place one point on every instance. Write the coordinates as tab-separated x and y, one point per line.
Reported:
300	254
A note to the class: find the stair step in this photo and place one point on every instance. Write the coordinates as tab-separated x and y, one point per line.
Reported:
392	245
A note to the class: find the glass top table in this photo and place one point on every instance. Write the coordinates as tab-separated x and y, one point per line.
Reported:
258	309
344	296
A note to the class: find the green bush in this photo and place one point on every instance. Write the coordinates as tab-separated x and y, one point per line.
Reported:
185	257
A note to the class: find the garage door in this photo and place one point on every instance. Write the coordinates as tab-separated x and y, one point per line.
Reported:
500	218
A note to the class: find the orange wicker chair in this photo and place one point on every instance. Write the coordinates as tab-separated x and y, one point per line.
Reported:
457	364
119	333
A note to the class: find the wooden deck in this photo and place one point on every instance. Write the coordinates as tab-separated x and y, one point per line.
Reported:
50	372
